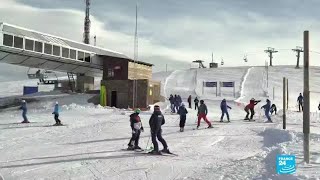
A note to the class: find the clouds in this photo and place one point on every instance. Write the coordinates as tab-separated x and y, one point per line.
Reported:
177	32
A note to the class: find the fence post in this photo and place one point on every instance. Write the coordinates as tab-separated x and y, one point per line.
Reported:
287	94
284	103
306	96
202	88
234	89
273	93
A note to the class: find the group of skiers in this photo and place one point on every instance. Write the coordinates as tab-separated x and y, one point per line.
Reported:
55	112
155	123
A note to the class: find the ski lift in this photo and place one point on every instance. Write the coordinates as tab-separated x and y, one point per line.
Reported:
222	62
49	77
37	75
245	58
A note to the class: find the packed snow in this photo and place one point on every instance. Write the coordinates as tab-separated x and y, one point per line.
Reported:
90	145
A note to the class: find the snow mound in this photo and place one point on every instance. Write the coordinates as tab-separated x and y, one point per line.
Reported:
273	137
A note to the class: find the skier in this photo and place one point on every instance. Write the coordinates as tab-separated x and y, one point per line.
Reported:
319	106
56	114
273	109
137	128
300	102
266	108
179	100
155	122
189	101
224	110
176	103
202	113
24	109
250	107
171	99
183	116
196	101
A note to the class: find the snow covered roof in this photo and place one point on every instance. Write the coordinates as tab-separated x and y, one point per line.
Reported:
16	30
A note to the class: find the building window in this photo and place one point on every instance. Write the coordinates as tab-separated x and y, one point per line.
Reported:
56	50
87	57
65	52
18	42
47	48
29	44
80	56
38	46
110	72
73	54
7	40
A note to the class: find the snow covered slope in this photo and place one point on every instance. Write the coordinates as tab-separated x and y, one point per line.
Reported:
89	147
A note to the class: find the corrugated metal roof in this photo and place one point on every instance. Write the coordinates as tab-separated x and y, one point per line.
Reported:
59	41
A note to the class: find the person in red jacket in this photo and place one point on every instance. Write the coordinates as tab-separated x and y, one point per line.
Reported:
250	107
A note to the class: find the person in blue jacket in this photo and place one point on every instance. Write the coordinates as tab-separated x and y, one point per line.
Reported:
56	114
267	108
24	109
183	116
224	110
300	102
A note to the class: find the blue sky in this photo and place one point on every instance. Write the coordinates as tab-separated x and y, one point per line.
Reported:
175	32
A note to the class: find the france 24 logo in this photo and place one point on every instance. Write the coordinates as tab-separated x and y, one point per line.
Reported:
286	164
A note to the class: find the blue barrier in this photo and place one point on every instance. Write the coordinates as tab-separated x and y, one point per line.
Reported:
30	89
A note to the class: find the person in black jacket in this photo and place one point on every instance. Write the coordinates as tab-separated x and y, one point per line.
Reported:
155	122
196	103
183	116
136	127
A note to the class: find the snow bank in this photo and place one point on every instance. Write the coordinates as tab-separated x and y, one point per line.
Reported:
272	137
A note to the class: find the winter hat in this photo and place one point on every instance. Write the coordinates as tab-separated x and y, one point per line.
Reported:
23	101
57	102
201	101
252	99
223	99
137	110
182	105
156	108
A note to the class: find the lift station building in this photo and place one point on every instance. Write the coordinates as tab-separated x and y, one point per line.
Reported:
33	49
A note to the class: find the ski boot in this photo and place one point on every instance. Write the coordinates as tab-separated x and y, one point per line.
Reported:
166	150
25	122
221	120
154	152
130	148
137	148
210	126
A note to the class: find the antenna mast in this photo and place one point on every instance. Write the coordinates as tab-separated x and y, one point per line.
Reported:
87	22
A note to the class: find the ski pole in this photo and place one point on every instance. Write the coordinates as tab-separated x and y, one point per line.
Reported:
148	142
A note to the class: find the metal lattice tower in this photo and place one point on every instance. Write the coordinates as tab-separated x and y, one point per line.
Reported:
87	23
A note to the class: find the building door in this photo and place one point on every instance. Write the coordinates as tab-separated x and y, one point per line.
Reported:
114	99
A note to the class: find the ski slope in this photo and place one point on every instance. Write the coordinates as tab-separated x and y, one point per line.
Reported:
89	147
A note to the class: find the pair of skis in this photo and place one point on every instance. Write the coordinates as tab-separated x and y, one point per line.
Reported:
148	152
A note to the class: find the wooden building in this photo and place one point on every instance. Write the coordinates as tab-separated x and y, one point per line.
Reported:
118	77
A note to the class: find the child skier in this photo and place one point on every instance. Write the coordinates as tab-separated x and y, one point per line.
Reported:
196	102
266	108
250	107
137	128
56	114
155	122
24	109
224	110
202	113
183	116
273	109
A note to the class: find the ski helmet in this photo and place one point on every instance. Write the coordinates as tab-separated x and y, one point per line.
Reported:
137	110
